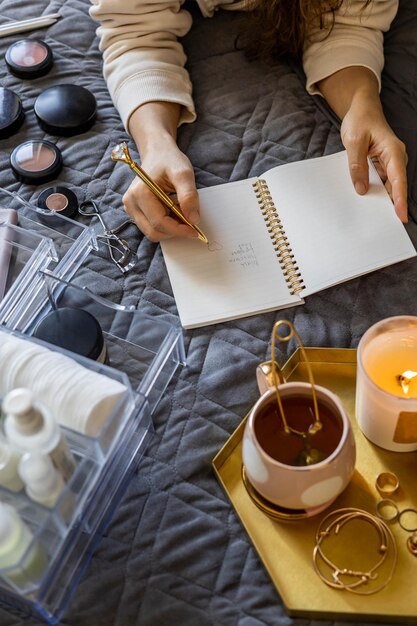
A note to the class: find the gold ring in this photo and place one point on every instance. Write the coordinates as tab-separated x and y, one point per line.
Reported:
409	529
387	483
387	510
412	544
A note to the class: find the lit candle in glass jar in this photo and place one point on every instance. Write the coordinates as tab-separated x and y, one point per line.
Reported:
386	385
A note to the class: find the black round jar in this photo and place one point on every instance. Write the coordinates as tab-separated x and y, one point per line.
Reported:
66	110
75	330
11	112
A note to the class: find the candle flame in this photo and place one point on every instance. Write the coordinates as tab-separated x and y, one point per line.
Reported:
404	380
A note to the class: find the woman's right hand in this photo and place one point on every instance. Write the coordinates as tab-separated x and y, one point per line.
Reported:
153	126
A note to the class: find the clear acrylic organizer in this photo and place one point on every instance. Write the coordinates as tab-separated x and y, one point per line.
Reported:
48	269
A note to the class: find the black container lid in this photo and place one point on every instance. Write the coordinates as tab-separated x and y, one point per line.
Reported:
73	329
66	110
36	161
55	201
11	112
29	58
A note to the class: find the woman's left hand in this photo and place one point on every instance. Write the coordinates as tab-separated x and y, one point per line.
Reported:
353	94
366	133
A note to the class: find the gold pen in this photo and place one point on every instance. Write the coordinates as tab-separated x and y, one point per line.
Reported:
121	153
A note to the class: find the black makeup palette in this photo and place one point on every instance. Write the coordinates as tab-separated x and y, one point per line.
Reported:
36	161
11	112
29	58
66	110
56	201
73	329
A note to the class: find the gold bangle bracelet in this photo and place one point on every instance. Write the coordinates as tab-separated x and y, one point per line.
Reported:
333	522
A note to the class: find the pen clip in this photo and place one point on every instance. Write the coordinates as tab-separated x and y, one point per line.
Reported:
121	153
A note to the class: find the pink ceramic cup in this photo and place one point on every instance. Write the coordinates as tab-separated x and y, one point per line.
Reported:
308	487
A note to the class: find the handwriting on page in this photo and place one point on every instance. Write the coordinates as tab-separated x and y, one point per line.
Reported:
214	245
244	255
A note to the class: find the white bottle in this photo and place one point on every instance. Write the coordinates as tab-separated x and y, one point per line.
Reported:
22	559
43	482
31	428
9	461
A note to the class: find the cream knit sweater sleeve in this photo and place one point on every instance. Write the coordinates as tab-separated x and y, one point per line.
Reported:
356	39
144	61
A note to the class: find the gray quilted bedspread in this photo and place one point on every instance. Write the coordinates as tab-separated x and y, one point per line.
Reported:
175	552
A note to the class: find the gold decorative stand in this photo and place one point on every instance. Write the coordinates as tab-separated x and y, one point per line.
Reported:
285	546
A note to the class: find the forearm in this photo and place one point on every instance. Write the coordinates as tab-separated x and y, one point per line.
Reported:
351	86
154	124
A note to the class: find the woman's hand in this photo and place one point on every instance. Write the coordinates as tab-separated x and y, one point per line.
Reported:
365	132
353	95
153	126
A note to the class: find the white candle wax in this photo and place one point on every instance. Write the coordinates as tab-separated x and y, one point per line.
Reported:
390	355
385	413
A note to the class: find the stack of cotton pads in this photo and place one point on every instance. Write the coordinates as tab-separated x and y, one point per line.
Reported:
78	397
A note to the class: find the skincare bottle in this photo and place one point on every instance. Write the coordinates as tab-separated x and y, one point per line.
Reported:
31	428
9	461
22	559
43	482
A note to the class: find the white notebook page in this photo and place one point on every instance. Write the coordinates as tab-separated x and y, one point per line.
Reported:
238	274
334	233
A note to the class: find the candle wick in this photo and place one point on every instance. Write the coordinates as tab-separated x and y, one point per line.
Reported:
404	380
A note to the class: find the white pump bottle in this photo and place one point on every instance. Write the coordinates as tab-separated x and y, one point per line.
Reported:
31	428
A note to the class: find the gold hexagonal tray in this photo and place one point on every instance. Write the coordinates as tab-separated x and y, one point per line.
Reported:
285	547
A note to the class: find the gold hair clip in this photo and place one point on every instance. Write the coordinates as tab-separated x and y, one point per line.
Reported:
277	377
309	455
121	153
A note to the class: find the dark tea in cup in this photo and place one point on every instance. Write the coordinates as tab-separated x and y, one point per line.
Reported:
296	449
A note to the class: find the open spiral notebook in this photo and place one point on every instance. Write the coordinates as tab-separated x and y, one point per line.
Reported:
293	231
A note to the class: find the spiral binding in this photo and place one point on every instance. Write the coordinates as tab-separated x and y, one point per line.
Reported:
279	239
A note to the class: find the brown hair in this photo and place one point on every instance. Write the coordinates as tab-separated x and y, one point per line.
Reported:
278	28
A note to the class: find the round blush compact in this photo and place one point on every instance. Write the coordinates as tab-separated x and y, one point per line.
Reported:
11	112
56	201
35	162
29	58
75	330
66	110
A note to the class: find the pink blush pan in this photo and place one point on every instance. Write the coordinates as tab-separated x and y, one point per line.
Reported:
35	156
29	58
28	53
35	162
